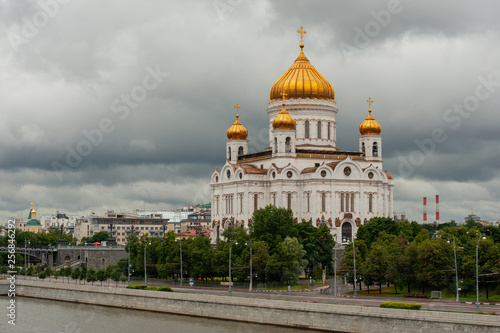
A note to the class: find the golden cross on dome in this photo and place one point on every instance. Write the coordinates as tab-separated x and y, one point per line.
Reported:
369	101
302	32
237	107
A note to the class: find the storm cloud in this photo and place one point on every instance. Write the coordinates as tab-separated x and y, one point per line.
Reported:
124	105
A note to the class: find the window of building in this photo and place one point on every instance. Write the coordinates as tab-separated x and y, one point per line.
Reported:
363	148
288	147
319	129
240	151
275	145
342	202
370	203
329	131
241	204
375	149
255	202
352	202
347	202
306	128
308	203
229	152
323	201
289	201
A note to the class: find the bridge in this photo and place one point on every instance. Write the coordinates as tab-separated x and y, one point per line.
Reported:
60	256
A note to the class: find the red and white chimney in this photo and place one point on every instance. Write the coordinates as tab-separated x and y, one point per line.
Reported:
437	207
425	209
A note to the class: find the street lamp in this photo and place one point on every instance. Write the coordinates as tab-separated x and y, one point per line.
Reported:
145	270
180	250
456	270
129	233
335	273
477	270
354	258
251	275
230	245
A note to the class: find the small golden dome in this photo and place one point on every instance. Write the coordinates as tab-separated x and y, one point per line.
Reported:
370	126
302	80
237	131
284	120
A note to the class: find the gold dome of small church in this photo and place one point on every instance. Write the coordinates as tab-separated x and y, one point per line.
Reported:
370	126
302	80
237	131
284	120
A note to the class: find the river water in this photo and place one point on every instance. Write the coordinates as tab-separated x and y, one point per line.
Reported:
44	316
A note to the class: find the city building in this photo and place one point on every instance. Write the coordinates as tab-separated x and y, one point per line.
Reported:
59	220
303	169
195	221
117	225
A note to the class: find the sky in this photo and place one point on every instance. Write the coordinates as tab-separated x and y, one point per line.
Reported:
124	105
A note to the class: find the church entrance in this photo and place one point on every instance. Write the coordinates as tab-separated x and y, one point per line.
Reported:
346	233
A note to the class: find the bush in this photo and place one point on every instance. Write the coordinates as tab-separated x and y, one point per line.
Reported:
492	313
394	305
150	288
165	289
136	286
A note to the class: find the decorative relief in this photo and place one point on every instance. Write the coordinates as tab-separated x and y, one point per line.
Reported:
295	220
323	173
370	175
330	222
347	171
358	222
337	222
348	215
318	222
289	174
365	221
301	101
250	221
242	223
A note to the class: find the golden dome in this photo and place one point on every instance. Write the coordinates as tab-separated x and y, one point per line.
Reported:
237	131
370	126
302	80
284	120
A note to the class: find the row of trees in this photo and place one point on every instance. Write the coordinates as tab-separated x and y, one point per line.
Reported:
404	254
281	251
78	274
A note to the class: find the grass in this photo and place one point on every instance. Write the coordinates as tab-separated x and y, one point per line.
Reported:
445	294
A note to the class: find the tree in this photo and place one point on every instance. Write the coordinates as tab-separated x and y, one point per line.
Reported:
91	275
272	225
374	227
75	274
116	275
287	262
101	275
377	263
435	263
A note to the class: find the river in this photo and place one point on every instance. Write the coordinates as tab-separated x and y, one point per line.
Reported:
44	316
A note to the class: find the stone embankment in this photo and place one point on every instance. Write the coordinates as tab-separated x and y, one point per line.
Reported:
329	317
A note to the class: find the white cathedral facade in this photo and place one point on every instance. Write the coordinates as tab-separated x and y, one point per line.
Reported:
303	169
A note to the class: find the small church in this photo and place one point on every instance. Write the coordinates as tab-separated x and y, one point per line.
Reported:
303	169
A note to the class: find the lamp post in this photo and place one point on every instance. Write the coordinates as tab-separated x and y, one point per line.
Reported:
180	251
335	273
456	270
145	269
25	241
230	245
354	257
477	270
129	233
251	273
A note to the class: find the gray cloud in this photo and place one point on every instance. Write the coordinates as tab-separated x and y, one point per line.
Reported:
65	80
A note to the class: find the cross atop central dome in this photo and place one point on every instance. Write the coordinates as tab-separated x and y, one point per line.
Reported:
302	80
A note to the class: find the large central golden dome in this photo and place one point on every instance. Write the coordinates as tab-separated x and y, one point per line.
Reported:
302	80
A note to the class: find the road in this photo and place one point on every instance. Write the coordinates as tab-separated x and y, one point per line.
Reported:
373	301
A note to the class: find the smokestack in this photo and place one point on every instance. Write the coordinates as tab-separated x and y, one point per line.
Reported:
425	209
437	207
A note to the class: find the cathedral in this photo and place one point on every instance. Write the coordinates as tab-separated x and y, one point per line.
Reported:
303	169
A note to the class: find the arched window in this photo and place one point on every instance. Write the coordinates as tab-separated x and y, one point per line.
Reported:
346	232
288	148
329	131
240	151
347	202
319	129
306	127
363	148
255	202
323	201
289	201
342	202
275	145
229	152
375	149
370	203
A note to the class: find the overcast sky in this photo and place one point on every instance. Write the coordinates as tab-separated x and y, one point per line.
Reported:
125	104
